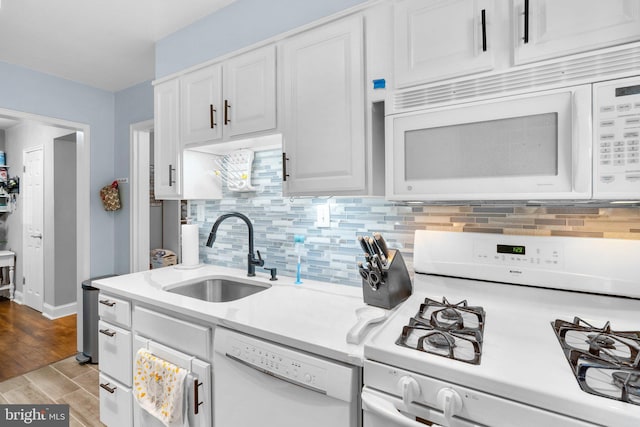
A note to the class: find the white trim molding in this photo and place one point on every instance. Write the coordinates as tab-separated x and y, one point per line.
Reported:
55	312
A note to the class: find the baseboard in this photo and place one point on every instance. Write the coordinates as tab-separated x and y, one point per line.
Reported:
18	297
55	312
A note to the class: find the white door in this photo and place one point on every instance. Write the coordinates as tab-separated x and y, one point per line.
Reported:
548	29
436	39
324	115
33	220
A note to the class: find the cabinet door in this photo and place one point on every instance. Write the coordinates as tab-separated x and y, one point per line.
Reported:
250	92
438	39
167	158
552	28
323	91
201	105
115	403
114	346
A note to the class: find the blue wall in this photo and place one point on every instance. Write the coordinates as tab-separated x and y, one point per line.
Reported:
29	91
132	105
238	25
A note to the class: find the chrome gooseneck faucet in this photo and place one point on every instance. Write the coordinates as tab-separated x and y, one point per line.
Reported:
251	260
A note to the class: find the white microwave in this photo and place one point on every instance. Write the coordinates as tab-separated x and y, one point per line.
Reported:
546	145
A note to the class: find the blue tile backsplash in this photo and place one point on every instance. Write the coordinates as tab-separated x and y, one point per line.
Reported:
330	254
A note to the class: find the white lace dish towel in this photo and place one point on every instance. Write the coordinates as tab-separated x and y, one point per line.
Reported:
159	388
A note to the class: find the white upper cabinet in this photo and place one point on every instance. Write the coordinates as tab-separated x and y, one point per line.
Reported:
237	97
439	39
250	92
167	153
323	91
552	28
201	105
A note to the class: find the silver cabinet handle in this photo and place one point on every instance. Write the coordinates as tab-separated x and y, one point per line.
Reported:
37	236
108	332
107	302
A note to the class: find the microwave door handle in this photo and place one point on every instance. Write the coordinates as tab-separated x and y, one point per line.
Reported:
581	144
484	29
386	410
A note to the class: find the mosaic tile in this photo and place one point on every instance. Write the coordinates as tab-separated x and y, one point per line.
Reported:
330	254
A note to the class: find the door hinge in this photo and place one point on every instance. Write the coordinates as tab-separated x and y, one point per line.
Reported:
24	168
23	280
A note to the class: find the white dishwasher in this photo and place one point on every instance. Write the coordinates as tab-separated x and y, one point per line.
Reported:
259	383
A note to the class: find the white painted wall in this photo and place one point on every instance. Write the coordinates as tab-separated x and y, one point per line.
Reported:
18	138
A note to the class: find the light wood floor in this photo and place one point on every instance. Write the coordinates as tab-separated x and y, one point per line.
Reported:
63	382
38	366
28	340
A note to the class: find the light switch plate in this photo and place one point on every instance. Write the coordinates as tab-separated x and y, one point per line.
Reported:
323	218
200	213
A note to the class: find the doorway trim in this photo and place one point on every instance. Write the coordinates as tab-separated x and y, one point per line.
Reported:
83	190
139	160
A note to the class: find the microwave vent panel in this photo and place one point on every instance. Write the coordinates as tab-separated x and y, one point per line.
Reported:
622	61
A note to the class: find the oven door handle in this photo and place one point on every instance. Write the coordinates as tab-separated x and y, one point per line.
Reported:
386	410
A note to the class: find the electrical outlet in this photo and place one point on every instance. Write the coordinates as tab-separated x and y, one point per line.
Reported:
200	213
323	218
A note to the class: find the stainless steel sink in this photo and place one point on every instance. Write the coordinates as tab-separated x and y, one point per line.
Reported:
218	289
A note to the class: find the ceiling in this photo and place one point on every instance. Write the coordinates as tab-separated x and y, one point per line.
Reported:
105	44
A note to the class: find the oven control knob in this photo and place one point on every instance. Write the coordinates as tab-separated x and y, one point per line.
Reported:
450	402
409	389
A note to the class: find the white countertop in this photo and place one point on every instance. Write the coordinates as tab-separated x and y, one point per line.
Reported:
314	316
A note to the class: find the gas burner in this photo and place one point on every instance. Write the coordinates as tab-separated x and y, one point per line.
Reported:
445	329
446	316
599	342
441	340
605	362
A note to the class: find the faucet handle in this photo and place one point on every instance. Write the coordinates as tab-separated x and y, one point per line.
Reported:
273	273
259	261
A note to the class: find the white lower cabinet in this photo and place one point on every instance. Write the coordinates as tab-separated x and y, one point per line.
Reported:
199	401
114	347
115	403
180	341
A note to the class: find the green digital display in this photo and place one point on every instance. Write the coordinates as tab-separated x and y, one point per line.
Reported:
511	249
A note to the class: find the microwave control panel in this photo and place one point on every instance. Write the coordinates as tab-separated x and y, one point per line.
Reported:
616	136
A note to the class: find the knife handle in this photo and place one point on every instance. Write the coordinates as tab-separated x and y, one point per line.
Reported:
365	246
372	244
381	244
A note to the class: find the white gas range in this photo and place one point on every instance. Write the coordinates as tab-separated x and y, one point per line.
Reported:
522	296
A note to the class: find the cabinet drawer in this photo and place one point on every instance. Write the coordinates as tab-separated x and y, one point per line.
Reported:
114	346
188	337
114	310
115	403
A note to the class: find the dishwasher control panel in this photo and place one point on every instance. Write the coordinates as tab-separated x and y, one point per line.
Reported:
278	361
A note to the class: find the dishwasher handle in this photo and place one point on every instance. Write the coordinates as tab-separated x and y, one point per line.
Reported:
386	410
